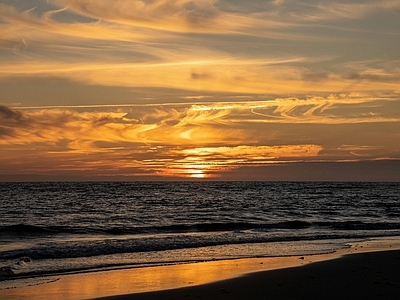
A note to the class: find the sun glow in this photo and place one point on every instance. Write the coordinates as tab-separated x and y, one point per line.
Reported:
197	174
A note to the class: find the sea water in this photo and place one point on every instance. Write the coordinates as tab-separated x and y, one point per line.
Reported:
58	228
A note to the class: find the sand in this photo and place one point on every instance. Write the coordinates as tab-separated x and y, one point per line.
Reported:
368	270
360	276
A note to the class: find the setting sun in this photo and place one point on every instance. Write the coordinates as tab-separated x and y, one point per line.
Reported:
197	174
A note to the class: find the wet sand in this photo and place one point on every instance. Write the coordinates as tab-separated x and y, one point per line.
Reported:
371	275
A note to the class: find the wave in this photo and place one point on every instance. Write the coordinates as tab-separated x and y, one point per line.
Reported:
25	230
6	272
89	248
63	258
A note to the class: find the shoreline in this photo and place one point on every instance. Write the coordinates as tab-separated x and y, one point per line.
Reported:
207	278
365	275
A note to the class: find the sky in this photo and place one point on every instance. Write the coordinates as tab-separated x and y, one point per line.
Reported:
199	90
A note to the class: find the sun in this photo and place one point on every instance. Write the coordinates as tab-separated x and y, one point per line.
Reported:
197	174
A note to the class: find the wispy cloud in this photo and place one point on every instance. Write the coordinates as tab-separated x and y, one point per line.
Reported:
219	75
357	9
178	15
200	138
145	44
29	26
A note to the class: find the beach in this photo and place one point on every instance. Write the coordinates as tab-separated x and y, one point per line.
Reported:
372	275
366	270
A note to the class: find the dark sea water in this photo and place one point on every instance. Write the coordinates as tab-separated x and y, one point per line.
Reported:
60	228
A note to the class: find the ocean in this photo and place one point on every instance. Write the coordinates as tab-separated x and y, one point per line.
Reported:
51	229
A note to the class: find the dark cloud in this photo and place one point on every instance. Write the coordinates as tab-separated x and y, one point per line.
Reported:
9	114
9	120
368	170
374	77
98	122
311	76
199	76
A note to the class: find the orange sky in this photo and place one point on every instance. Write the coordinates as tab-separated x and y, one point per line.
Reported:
199	89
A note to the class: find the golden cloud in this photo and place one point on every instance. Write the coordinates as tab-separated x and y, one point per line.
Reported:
167	15
198	140
197	123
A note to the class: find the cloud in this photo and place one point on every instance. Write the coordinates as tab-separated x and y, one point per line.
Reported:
315	76
375	76
357	10
9	119
145	44
7	114
133	20
196	76
22	27
165	15
256	153
188	123
321	11
197	139
207	123
222	74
